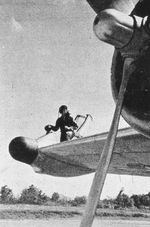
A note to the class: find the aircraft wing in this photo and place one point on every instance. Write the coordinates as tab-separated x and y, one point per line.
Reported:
131	155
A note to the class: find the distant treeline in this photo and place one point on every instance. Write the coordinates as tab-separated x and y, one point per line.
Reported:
33	195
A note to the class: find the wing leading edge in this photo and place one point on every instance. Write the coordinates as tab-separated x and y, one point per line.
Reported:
131	155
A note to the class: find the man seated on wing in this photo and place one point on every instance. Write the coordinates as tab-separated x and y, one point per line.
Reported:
65	123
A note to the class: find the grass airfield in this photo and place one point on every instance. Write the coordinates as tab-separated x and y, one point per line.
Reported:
34	212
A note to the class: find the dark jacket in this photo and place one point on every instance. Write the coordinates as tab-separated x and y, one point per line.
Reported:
61	123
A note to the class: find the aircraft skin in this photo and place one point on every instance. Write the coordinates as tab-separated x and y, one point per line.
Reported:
131	155
125	6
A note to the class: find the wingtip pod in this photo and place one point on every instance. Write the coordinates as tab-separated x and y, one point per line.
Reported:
24	149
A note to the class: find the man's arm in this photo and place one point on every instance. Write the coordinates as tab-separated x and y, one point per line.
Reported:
56	127
50	128
74	124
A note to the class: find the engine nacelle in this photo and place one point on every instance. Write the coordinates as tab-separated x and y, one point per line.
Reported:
136	105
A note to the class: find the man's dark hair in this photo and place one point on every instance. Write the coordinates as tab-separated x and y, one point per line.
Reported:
62	108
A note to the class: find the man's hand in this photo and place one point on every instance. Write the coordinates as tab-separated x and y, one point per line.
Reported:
48	128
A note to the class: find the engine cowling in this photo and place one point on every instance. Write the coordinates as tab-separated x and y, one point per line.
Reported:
136	105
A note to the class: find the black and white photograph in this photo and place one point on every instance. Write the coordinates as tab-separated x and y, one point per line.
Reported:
75	113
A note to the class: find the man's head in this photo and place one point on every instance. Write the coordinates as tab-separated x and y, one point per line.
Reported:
63	109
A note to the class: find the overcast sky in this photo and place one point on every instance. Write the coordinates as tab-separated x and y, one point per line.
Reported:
49	56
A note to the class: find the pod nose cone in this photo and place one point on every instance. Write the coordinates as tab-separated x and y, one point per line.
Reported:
23	149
